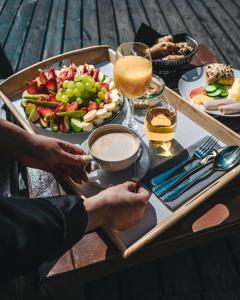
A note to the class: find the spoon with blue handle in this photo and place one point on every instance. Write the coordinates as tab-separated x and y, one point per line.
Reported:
172	182
225	160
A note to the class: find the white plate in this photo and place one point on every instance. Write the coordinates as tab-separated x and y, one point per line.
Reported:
196	78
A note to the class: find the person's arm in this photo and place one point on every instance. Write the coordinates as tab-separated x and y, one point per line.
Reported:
60	158
36	230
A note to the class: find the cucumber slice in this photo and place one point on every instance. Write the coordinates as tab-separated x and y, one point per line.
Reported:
215	94
210	88
224	92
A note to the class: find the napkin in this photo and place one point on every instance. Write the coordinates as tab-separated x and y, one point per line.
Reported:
193	190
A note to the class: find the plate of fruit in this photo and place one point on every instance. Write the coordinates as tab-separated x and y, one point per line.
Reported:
71	99
214	88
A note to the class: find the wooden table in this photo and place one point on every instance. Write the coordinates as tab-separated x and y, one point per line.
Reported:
95	255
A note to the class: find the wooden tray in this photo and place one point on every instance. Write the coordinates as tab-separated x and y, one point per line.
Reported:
14	85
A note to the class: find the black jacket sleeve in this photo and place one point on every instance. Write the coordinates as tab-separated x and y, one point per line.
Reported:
35	230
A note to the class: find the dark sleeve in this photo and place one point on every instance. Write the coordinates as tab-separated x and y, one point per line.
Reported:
35	230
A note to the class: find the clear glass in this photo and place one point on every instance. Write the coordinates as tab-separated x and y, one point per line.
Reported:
160	123
132	73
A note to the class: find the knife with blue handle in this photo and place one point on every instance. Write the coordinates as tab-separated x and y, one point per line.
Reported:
183	187
173	182
157	180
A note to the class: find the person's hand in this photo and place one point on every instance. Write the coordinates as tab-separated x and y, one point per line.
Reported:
60	158
116	207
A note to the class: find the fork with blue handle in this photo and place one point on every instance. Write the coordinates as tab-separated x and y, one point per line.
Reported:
202	151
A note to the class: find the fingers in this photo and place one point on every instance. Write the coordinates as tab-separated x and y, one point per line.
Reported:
143	195
130	186
70	148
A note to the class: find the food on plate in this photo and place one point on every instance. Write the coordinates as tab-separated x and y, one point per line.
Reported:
220	73
216	90
234	91
199	99
211	104
173	57
163	49
230	109
166	38
71	99
166	49
197	91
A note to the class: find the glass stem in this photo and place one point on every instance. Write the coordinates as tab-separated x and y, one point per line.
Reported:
131	121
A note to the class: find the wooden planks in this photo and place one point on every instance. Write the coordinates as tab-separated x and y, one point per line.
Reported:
55	29
90	30
107	26
72	33
16	38
33	46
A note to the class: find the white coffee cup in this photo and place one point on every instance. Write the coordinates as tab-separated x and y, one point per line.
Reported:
121	145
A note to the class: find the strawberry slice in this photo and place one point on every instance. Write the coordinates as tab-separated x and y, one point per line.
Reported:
105	85
51	73
62	75
59	82
95	74
44	111
51	84
42	76
42	89
91	72
52	98
71	107
92	106
71	73
84	70
32	88
84	108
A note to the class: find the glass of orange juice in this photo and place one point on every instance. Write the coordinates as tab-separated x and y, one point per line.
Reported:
132	73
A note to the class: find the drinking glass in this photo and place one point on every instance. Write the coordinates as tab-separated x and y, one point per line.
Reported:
132	73
160	122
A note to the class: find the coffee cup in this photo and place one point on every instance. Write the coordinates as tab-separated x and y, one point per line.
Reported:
113	147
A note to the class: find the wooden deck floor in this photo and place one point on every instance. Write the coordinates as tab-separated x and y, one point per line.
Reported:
32	30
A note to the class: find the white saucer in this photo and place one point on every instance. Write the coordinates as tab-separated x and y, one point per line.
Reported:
104	179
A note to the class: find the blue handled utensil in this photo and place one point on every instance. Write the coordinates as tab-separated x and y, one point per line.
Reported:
174	181
228	158
201	152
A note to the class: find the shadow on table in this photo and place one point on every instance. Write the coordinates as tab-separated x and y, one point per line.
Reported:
6	68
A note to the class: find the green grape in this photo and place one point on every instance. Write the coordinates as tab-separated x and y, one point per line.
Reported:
98	85
65	83
76	92
87	86
79	86
98	101
70	85
104	90
69	92
85	78
92	88
65	98
101	96
59	96
79	100
77	77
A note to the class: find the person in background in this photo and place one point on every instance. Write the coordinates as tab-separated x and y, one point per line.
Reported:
36	230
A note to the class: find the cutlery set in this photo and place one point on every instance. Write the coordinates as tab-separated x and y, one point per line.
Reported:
169	185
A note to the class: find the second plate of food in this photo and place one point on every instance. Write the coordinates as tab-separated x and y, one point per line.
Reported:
214	88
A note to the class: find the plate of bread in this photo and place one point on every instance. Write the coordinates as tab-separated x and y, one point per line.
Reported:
214	88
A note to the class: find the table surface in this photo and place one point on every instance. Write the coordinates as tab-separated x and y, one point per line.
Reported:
96	256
